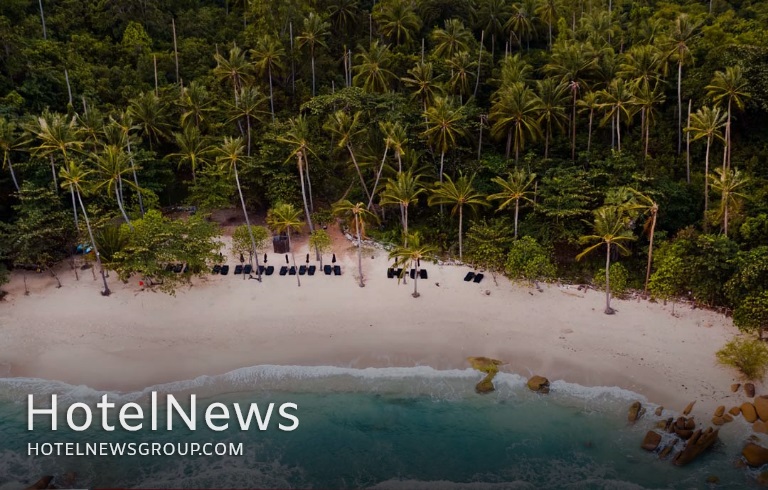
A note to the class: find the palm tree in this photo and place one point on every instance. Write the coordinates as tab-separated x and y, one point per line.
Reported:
617	99
645	204
647	97
515	113
642	64
684	33
56	133
230	154
514	69
315	29
357	213
424	83
706	123
195	104
452	39
285	218
372	70
268	57
150	114
395	136
445	125
248	108
125	123
411	255
459	194
298	138
234	69
346	128
514	189
111	165
462	71
194	149
9	141
403	191
74	177
610	228
344	14
397	20
588	103
547	12
729	183
520	24
553	96
492	15
728	87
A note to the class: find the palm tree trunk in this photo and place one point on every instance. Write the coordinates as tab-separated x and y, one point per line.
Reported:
573	127
728	138
725	216
359	173
480	141
248	224
309	185
136	179
608	309
271	97
303	191
42	18
546	142
399	162
479	62
248	125
405	226
122	209
509	144
53	171
618	131
293	258
442	162
416	281
74	206
687	152
313	75
378	176
106	291
650	255
706	180
461	223
589	135
679	106
517	210
13	174
647	137
359	251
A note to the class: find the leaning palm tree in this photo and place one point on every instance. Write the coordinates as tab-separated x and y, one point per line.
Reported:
729	88
394	136
359	214
248	108
707	123
230	155
315	29
285	218
74	177
729	184
125	123
297	137
610	228
403	192
516	188
645	204
407	256
112	164
347	128
459	194
268	57
589	103
9	141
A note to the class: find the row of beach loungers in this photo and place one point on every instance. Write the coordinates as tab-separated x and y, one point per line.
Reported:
471	276
177	268
284	270
391	272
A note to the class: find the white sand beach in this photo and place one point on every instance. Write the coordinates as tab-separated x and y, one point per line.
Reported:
136	338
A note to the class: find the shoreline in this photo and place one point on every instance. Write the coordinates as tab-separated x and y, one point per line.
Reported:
135	339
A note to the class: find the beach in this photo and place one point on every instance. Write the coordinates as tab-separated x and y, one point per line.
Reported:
137	338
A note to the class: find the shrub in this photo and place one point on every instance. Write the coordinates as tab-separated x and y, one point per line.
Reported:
751	315
749	356
619	279
528	260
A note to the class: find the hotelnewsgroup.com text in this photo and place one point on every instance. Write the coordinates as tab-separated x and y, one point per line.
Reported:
134	449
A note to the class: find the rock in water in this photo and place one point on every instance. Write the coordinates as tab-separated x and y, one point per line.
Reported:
636	411
659	411
683	433
690	424
697	444
718	420
539	384
484	364
749	389
727	417
486	385
755	455
735	387
41	483
760	426
720	411
651	441
667	449
735	411
761	407
688	409
748	412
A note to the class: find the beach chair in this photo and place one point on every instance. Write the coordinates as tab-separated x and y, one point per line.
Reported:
283	270
262	269
311	270
398	272
423	274
224	270
390	273
216	269
327	269
169	268
412	273
269	270
479	277
247	269
302	270
186	268
178	268
470	275
238	269
292	271
337	270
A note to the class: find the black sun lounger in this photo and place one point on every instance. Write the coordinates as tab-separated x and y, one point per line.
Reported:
292	270
479	277
283	270
311	270
269	270
186	268
247	269
224	270
337	270
169	268
238	269
302	270
470	275
390	273
423	274
327	269
398	272
178	268
262	269
412	273
216	269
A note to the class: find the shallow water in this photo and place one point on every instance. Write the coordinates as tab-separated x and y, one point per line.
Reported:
380	428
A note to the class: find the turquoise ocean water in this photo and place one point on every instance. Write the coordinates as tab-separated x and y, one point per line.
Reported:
378	428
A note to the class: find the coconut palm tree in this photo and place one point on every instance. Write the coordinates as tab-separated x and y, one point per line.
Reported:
729	88
234	69
462	72
521	25
194	149
112	163
492	15
372	68
515	113
459	194
9	141
589	103
74	178
516	188
285	218
647	97
312	35
150	114
297	137
248	108
395	136
707	123
230	155
268	58
347	128
617	101
642	63
610	229
195	104
358	214
514	69
683	34
56	133
645	204
397	20
445	126
553	96
344	15
403	191
424	83
125	123
729	184
451	39
408	256
547	11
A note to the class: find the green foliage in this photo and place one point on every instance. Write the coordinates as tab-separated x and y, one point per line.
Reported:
241	240
619	279
321	241
213	189
749	356
528	260
751	315
668	281
488	243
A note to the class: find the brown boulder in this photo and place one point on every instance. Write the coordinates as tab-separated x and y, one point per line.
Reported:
539	384
688	408
761	407
636	411
749	390
683	433
762	479
727	417
755	455
748	412
697	444
720	411
735	411
486	385
718	420
659	411
667	449
760	426
735	387
690	424
651	441
680	423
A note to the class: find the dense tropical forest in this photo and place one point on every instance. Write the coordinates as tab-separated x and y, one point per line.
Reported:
620	142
